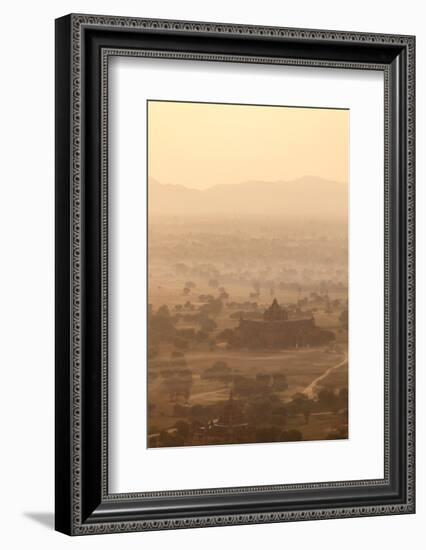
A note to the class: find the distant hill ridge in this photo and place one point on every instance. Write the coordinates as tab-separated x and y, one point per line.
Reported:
308	196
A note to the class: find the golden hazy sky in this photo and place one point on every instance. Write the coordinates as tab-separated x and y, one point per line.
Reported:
200	145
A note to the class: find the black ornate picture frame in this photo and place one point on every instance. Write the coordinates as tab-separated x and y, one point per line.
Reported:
84	43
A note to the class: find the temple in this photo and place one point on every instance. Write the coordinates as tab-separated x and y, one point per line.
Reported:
276	330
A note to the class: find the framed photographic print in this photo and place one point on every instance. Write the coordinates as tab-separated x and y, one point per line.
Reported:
234	274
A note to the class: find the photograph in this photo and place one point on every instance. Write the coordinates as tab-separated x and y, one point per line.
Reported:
247	270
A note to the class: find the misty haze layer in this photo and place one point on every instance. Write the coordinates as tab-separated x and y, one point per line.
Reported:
305	198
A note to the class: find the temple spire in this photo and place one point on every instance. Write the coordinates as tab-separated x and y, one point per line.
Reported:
275	312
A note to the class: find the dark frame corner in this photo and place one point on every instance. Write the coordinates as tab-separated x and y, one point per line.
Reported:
83	46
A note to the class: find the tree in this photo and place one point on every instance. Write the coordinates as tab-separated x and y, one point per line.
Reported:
291	435
328	400
206	298
161	325
213	307
168	387
225	335
190	284
244	386
218	371
267	434
303	405
279	415
263	379
163	312
201	336
199	413
259	410
168	439
279	382
208	325
183	428
184	383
